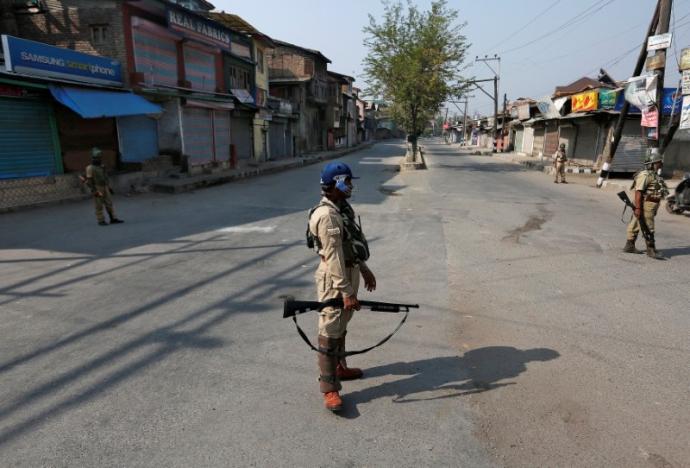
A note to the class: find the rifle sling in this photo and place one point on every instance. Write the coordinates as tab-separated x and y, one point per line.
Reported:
348	353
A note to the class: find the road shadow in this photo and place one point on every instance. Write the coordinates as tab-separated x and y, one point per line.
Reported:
476	371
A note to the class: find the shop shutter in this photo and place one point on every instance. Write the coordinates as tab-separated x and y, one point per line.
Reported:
242	137
519	138
538	145
551	139
198	135
567	137
155	56
527	141
27	148
138	138
631	150
221	131
200	68
278	139
587	137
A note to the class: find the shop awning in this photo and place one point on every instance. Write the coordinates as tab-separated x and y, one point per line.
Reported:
96	103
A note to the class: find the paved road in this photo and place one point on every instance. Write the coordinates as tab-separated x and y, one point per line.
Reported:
159	342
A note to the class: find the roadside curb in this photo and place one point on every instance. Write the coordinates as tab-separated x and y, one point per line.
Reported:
191	183
181	185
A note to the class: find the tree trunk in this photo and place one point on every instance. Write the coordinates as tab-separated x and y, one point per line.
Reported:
412	140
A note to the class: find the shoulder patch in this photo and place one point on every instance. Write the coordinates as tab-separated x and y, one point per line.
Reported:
333	231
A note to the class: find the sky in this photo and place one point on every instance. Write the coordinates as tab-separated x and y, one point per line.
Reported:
607	34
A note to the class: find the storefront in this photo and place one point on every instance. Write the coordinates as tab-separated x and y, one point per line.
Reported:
79	107
29	145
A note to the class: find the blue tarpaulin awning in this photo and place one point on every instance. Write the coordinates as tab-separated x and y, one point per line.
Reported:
96	103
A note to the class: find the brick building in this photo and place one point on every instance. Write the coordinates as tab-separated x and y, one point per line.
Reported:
300	76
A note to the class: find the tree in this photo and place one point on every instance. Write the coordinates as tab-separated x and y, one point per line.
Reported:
414	62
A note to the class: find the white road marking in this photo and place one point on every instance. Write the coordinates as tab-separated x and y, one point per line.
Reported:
246	229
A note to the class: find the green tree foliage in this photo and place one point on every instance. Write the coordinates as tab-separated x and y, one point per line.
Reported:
414	61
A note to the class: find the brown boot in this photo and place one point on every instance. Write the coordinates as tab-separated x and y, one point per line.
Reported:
653	253
328	380
332	401
630	247
342	371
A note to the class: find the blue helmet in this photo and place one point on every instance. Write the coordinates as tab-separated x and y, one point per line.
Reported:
335	173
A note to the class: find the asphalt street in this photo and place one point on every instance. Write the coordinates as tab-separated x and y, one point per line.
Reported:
160	342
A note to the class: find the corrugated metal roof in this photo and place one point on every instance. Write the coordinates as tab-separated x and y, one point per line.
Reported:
239	24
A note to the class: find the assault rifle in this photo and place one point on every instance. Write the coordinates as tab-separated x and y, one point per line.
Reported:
648	236
292	307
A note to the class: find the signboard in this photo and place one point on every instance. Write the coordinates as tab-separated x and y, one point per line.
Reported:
640	91
38	59
200	28
656	62
686	82
242	95
685	114
650	118
662	41
685	59
669	100
585	102
607	98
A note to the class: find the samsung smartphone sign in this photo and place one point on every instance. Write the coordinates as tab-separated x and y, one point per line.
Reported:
35	58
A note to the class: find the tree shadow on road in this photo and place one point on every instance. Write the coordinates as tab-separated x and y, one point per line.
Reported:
444	377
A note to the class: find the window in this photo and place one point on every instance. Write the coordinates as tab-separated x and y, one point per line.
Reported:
99	34
260	60
239	78
308	67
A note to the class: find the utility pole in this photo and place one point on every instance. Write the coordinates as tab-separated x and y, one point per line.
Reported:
664	22
610	149
496	79
464	124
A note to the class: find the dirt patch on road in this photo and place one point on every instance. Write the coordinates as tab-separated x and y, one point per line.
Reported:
534	223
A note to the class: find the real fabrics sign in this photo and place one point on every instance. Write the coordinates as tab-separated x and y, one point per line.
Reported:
200	28
38	59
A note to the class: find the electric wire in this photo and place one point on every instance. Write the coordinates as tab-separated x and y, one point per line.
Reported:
577	19
529	23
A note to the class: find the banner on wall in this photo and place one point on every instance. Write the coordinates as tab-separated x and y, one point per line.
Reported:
650	118
640	91
685	114
585	102
607	98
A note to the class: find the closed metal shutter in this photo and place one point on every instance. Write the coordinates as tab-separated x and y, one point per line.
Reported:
138	137
200	68
277	140
154	54
519	138
538	145
566	136
551	139
587	138
198	135
27	147
242	137
528	141
221	131
631	150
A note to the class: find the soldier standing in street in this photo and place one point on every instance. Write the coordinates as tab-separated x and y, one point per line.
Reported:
649	190
97	181
559	160
338	239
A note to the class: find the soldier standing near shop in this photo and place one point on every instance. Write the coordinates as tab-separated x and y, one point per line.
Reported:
649	189
559	160
338	239
97	181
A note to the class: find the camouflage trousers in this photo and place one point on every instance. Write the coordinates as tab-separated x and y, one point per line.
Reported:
560	171
105	200
649	210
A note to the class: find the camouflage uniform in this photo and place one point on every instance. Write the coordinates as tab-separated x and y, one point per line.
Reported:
560	159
